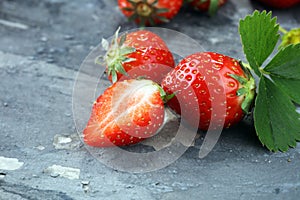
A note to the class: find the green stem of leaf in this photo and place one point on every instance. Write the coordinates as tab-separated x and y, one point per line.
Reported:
282	30
262	71
246	65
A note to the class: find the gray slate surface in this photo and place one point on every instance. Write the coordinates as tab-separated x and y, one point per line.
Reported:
39	58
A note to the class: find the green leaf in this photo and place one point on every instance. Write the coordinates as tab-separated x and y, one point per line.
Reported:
114	76
240	79
259	36
284	69
127	60
132	2
163	19
127	50
276	120
122	39
143	21
120	68
161	10
286	62
133	17
289	86
105	44
151	21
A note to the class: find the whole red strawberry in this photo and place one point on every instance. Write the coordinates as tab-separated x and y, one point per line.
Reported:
136	54
208	5
150	12
211	87
126	113
281	4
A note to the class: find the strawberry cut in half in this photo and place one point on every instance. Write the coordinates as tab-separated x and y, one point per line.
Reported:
126	113
137	54
150	12
211	90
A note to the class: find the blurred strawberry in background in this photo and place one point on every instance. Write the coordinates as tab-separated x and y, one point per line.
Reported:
210	6
280	4
150	12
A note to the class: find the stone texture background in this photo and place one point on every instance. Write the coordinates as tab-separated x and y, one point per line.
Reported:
41	50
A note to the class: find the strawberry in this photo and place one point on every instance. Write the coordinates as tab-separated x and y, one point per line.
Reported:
280	4
126	113
210	83
136	54
207	5
150	12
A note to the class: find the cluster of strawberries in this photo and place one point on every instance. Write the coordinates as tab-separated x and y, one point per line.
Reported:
207	89
151	12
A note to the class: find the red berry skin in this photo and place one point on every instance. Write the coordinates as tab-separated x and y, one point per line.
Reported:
126	113
204	6
280	4
150	13
208	76
151	59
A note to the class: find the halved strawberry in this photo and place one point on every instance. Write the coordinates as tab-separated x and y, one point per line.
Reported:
136	54
126	113
150	12
211	87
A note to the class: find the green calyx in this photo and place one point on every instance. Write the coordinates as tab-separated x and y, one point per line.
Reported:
116	55
290	37
165	97
248	89
146	13
213	7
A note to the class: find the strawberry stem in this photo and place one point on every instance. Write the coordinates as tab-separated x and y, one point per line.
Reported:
282	30
144	9
261	69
